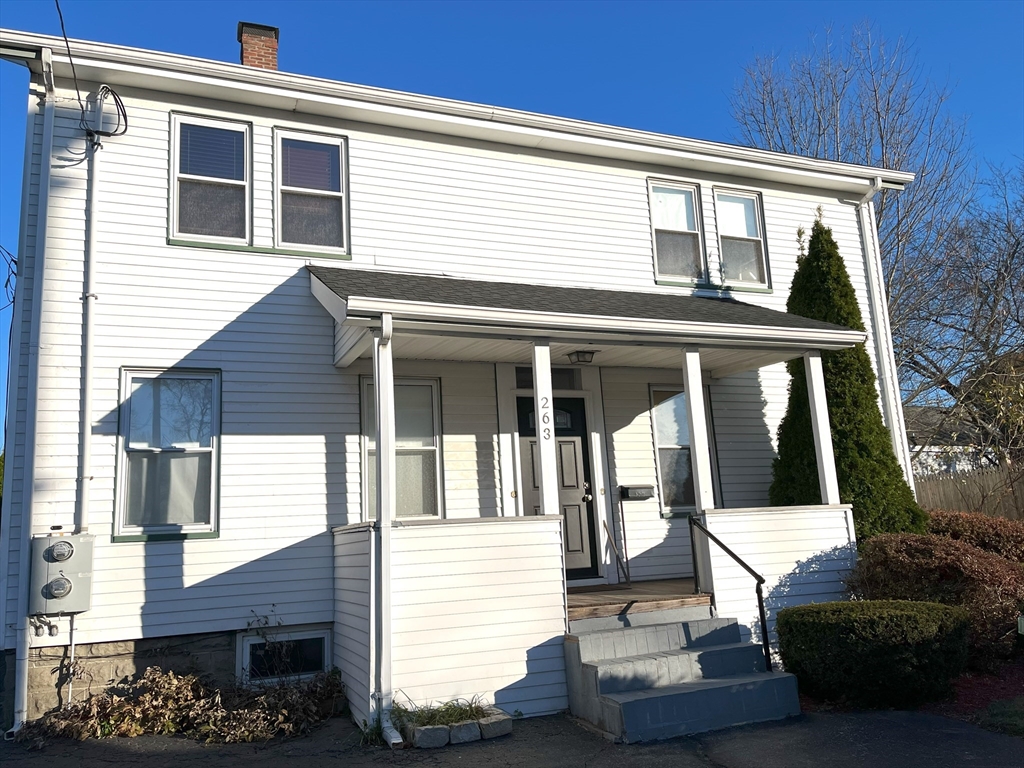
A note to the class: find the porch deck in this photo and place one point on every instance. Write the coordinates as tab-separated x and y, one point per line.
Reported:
641	597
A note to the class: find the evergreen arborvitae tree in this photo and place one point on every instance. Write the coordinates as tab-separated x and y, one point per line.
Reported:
870	477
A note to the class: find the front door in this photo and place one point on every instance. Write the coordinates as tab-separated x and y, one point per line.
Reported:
575	494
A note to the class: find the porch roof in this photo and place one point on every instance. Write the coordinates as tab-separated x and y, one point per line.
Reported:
468	310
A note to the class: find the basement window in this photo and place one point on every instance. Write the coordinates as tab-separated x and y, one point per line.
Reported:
279	656
211	180
310	189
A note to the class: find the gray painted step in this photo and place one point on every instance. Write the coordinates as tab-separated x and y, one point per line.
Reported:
701	705
635	641
663	680
641	618
665	668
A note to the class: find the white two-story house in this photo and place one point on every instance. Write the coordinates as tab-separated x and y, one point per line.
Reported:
446	395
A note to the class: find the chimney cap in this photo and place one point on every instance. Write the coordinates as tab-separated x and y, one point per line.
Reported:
258	30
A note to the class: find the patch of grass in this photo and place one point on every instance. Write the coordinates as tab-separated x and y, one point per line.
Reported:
448	713
1004	716
372	735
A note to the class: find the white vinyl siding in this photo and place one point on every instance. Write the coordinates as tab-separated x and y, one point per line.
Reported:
352	596
804	554
658	548
478	609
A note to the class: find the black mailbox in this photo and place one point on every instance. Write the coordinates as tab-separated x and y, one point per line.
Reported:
636	492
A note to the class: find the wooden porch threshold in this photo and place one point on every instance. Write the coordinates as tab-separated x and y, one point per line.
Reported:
643	596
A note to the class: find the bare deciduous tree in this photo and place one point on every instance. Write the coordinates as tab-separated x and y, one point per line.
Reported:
868	101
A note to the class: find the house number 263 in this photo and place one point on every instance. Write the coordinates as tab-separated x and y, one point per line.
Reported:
545	418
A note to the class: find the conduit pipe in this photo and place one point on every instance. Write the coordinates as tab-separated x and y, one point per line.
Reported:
28	498
93	147
888	382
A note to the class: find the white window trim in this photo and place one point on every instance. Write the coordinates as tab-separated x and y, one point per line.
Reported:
667	511
365	387
759	220
694	189
177	120
124	426
249	638
315	138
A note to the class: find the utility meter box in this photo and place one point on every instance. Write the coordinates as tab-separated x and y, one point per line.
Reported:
61	575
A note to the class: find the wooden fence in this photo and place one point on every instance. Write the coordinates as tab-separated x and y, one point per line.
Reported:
991	491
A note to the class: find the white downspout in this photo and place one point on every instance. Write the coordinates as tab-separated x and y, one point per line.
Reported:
384	394
32	404
88	322
881	330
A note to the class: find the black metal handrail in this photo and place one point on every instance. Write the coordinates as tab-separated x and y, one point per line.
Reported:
694	523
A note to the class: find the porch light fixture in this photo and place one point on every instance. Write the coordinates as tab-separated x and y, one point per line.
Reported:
582	356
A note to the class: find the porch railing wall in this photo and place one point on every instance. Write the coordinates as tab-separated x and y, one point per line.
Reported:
478	609
804	554
352	615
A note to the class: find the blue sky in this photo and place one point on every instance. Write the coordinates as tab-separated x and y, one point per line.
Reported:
663	66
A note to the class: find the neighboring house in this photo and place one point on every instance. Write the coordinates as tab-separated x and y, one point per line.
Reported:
275	305
942	443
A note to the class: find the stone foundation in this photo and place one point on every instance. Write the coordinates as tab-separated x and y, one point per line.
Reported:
102	664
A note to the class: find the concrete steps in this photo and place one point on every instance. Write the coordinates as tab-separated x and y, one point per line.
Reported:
663	680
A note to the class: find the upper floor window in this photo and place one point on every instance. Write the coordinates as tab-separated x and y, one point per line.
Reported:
741	238
678	251
310	191
170	425
210	180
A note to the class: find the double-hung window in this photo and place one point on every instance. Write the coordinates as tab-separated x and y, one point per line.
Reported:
417	449
311	195
169	430
672	444
211	180
741	238
678	250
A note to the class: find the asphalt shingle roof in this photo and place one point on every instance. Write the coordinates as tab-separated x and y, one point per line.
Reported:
545	298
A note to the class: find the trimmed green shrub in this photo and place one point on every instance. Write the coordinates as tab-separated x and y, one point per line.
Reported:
941	570
993	534
874	653
870	477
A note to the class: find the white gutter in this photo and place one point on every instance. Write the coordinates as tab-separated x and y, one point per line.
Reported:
32	404
88	322
234	83
881	330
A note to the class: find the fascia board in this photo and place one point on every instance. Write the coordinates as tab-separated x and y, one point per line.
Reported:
331	301
235	83
406	313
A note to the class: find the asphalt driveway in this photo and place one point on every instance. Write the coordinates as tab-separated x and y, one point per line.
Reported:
835	740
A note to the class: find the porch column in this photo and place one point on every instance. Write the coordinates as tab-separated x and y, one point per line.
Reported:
384	402
827	478
700	446
543	408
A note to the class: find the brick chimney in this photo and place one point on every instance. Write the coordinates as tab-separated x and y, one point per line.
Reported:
259	44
